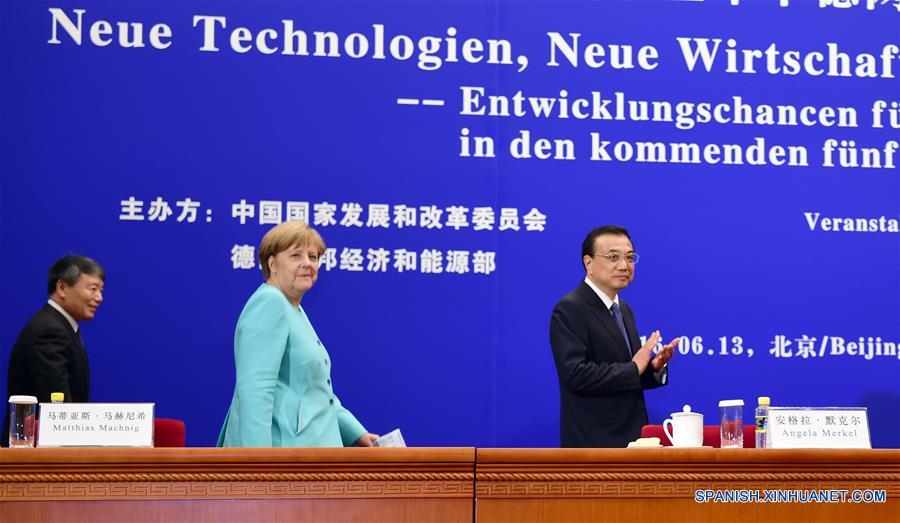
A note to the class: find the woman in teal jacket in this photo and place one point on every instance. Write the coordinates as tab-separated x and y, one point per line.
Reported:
283	395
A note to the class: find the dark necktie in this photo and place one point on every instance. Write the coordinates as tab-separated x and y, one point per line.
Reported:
617	314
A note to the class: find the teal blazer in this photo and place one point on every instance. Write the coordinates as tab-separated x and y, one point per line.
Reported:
283	395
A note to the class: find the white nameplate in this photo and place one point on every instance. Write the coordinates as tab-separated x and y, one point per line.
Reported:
819	428
96	425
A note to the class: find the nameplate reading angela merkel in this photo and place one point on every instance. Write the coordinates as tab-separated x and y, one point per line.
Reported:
96	425
819	428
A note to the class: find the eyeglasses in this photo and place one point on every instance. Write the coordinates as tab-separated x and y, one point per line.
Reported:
615	257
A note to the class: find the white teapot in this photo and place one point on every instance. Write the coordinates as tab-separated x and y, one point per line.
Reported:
687	427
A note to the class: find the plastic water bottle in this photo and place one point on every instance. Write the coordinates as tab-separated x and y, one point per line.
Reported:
762	423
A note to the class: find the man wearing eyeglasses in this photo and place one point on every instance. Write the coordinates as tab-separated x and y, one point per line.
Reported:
603	368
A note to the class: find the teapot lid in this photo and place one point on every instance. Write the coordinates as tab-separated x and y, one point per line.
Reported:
685	411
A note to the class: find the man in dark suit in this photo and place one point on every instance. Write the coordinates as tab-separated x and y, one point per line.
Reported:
603	369
48	355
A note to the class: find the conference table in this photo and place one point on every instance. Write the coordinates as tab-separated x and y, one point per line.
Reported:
438	484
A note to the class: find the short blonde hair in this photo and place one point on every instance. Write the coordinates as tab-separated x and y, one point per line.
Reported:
284	236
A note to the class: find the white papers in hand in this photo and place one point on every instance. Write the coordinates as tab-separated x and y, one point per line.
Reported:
391	439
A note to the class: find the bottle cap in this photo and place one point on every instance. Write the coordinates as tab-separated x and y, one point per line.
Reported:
763	400
731	403
57	397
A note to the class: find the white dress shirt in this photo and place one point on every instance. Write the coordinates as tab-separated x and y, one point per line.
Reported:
661	376
65	314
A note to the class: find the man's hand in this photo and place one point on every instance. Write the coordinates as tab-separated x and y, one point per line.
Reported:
642	357
664	355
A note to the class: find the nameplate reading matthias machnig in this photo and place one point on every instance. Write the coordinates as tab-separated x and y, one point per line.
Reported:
96	425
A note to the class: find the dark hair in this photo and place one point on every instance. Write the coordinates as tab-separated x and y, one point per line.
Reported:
69	269
587	246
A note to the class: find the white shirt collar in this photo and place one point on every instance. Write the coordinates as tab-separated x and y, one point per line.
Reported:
65	314
606	299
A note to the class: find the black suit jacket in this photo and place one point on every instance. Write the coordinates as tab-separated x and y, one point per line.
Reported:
48	357
601	391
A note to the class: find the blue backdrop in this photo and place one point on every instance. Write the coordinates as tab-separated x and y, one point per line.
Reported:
101	142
